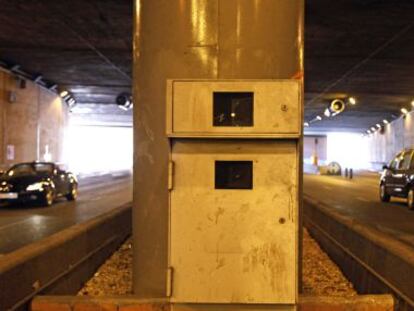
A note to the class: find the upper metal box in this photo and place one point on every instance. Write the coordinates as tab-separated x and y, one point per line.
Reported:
234	108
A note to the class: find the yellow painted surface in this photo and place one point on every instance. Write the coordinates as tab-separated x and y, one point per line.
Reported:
234	246
277	109
200	39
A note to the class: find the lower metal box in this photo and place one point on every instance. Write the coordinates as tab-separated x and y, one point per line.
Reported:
233	221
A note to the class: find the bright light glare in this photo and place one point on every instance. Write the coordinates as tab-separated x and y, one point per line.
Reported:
318	118
412	103
90	149
352	100
404	111
64	93
385	121
348	149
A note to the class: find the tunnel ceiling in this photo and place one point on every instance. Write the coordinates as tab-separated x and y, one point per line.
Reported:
360	48
83	46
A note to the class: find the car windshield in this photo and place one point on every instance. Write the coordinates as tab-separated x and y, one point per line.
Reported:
43	168
30	169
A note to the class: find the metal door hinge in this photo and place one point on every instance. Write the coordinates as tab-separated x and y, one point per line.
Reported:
170	175
169	281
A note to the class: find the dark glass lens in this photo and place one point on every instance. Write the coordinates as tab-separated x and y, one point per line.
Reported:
234	175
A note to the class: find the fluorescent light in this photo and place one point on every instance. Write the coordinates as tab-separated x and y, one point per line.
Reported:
327	113
378	125
306	124
385	121
352	100
318	118
71	102
404	111
373	129
64	93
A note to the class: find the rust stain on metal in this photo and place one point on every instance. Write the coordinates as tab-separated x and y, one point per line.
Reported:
267	258
219	212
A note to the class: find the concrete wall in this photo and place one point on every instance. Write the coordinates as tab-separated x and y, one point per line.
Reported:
31	124
385	144
310	148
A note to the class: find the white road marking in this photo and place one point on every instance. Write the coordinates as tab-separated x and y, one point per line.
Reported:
14	223
87	189
363	199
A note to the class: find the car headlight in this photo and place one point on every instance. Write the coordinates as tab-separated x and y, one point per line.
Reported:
36	187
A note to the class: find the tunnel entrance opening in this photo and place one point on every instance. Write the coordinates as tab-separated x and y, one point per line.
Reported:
98	149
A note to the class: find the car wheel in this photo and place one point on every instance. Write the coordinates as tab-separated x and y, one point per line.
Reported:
410	199
73	193
48	197
384	196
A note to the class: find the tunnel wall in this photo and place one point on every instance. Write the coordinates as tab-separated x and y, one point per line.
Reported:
310	147
394	137
32	123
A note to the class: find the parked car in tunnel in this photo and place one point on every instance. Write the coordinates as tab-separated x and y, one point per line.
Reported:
41	182
397	178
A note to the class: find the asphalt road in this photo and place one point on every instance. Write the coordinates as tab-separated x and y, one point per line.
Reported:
358	198
22	225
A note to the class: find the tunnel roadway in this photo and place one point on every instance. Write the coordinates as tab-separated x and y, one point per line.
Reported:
358	198
372	242
22	225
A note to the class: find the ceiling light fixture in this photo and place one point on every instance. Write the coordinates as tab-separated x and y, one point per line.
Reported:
336	107
373	129
378	125
306	124
319	118
64	93
71	102
404	111
53	87
412	103
327	113
385	121
352	100
124	101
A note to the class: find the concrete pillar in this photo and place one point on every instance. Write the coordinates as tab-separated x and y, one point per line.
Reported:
196	39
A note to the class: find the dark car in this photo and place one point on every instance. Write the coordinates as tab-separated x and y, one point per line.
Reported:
42	182
397	179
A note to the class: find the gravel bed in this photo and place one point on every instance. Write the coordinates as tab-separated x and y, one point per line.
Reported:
114	277
321	277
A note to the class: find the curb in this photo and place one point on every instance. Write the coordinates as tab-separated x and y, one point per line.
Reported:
308	303
374	262
62	262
